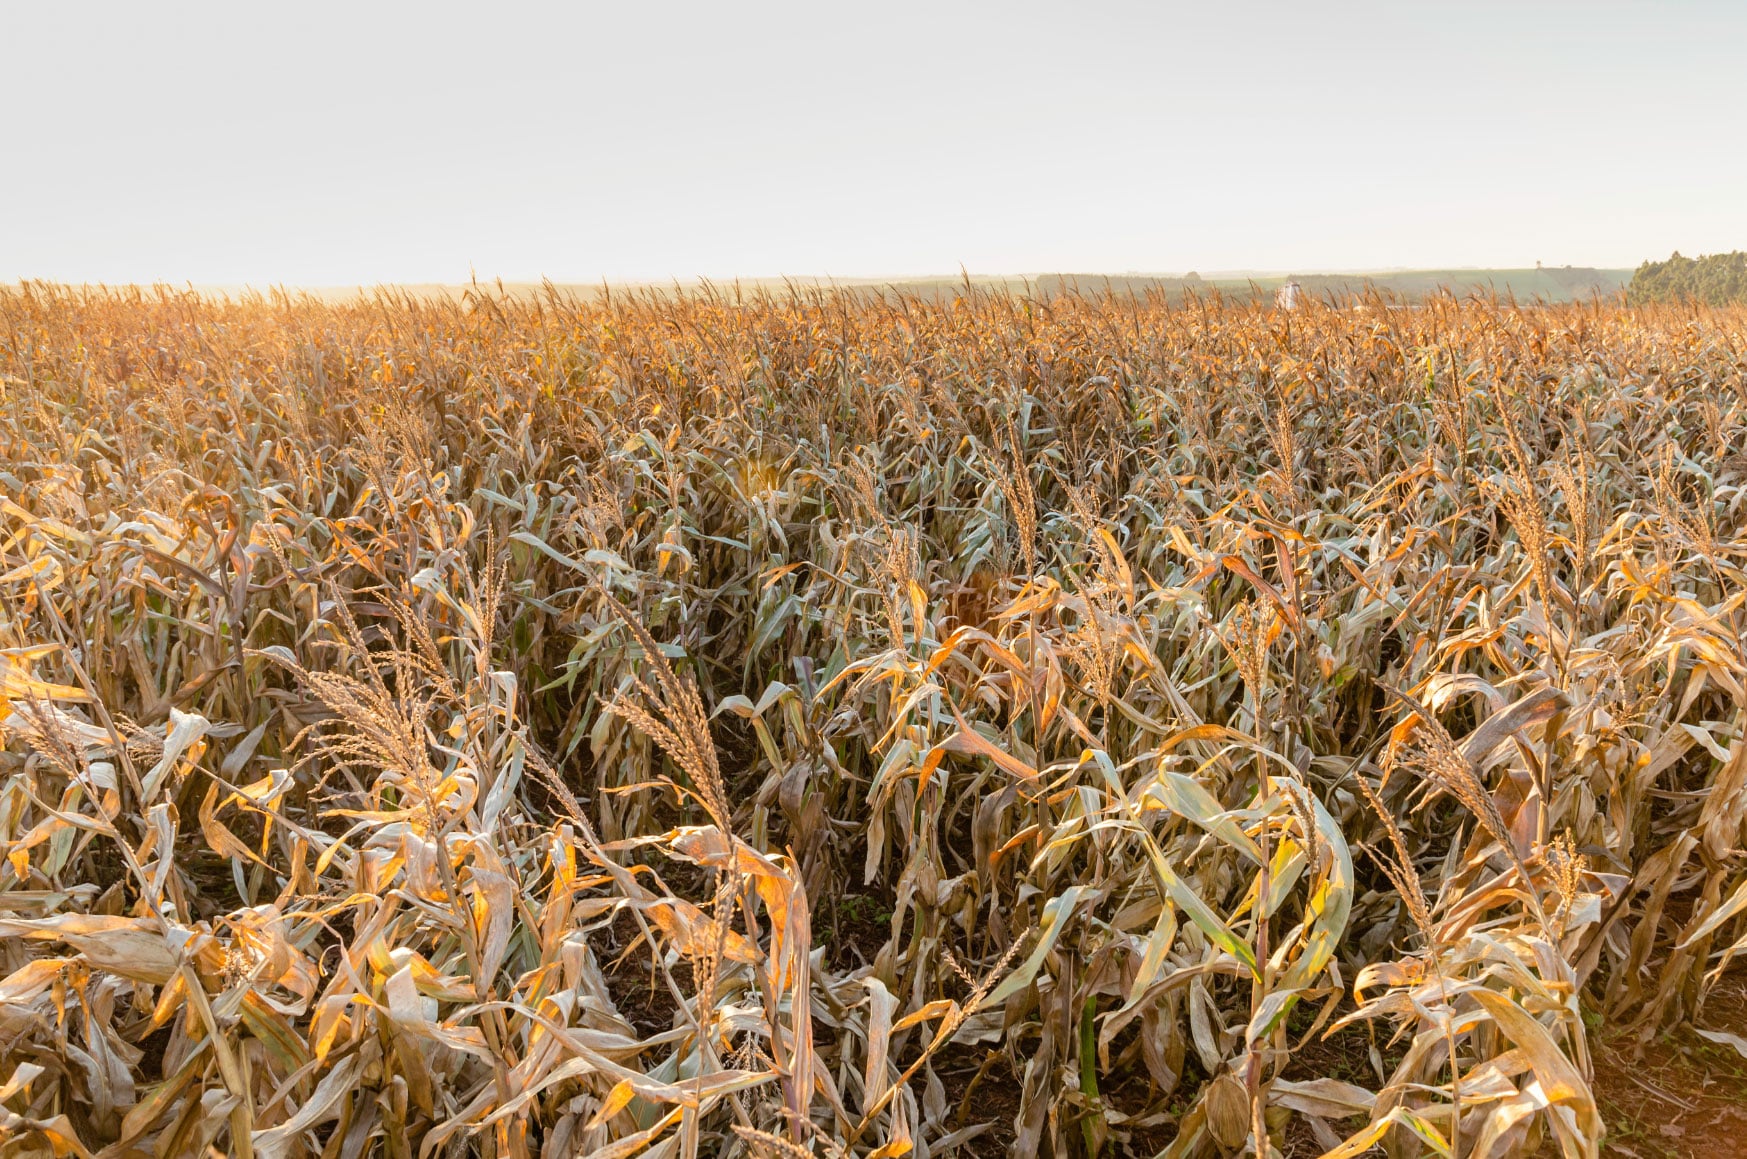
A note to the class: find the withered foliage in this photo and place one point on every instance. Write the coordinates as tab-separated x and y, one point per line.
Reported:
856	725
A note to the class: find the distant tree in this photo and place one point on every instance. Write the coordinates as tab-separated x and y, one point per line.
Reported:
1717	279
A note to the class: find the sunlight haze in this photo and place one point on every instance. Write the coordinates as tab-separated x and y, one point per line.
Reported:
340	144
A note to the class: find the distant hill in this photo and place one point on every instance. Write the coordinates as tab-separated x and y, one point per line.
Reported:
1558	284
1553	284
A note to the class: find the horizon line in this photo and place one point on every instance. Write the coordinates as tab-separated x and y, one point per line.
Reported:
819	278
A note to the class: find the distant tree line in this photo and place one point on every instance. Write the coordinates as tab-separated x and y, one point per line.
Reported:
1717	279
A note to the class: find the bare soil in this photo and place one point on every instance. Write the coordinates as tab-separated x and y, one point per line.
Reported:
1677	1095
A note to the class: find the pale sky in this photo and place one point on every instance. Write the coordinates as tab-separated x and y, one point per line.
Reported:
324	144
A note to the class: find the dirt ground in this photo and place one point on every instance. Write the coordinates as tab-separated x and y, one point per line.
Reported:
1683	1095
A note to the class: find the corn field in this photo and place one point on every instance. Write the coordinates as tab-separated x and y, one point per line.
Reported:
849	724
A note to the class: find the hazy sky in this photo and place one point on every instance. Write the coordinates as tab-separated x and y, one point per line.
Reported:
329	144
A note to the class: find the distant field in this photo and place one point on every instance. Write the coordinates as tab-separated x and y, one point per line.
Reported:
1550	285
1562	284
